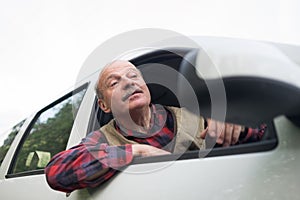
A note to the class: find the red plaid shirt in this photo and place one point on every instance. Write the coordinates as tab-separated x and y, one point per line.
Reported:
69	170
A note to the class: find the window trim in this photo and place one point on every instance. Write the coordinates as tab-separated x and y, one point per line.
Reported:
255	147
10	173
268	143
26	173
93	121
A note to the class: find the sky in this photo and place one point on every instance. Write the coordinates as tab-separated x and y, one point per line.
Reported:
43	44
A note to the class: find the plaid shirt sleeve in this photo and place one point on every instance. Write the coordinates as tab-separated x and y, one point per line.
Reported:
252	134
69	170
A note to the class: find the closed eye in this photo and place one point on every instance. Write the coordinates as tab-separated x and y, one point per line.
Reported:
113	83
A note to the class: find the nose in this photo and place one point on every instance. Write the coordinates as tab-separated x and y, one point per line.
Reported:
127	83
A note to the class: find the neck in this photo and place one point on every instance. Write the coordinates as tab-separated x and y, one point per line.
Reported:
139	120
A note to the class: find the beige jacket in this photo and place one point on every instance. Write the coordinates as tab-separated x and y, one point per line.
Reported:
187	130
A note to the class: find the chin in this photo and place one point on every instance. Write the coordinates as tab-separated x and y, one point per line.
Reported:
137	104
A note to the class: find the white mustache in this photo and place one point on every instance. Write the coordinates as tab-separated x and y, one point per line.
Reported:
130	92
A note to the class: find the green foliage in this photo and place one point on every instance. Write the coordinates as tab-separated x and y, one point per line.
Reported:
8	141
49	136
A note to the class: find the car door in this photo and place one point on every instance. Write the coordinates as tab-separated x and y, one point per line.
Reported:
41	137
267	169
264	174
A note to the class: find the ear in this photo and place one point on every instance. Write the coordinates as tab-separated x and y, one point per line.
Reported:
102	104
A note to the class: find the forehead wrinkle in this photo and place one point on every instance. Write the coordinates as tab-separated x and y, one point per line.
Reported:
109	68
124	69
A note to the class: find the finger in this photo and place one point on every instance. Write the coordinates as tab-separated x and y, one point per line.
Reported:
212	128
220	132
236	133
228	134
209	141
204	133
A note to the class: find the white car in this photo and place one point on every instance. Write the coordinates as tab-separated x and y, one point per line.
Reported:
241	81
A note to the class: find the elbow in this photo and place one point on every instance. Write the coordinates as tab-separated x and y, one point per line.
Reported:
57	181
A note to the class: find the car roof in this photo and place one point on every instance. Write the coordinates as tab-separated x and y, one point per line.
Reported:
230	57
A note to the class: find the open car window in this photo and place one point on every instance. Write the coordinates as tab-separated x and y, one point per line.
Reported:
268	142
250	100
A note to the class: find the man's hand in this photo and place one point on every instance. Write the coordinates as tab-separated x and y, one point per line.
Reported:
224	134
147	150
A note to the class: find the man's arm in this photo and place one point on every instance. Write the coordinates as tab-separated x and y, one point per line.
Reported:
92	162
88	164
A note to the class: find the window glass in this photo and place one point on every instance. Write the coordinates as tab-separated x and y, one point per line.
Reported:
7	138
48	134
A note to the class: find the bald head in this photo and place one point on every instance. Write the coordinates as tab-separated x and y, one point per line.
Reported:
106	69
120	84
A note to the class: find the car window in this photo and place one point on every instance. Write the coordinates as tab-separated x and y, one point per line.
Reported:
268	141
161	94
48	133
7	138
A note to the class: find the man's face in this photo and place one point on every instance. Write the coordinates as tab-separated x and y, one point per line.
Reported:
123	89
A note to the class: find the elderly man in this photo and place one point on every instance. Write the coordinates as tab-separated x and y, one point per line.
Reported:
139	128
